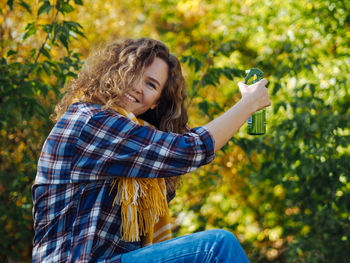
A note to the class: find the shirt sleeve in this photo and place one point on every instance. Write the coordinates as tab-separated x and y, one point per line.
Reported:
113	145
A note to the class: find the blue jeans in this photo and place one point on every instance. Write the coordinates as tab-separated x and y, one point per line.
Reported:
208	246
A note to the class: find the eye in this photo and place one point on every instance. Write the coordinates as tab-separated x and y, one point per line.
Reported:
151	85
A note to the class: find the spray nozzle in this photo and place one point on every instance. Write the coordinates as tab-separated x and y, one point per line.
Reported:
254	72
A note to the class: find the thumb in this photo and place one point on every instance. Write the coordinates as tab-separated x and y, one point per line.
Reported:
242	86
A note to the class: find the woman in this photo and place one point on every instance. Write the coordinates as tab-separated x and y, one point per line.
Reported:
110	164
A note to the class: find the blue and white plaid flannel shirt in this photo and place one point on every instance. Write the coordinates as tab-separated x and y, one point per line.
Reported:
74	216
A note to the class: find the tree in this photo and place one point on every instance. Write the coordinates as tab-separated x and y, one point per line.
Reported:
286	194
30	82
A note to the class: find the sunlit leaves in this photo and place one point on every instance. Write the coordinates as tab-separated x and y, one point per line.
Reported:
10	3
32	73
194	62
25	5
286	195
45	7
30	30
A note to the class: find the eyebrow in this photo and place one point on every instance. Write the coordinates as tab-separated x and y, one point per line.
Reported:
154	80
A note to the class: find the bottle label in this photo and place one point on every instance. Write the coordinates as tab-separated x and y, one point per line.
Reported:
250	121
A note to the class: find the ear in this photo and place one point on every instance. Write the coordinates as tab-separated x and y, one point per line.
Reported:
154	106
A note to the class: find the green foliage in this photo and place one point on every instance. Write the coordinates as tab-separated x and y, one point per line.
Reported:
30	81
285	195
306	155
294	207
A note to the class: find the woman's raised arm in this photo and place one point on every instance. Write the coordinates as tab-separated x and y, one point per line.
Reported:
254	97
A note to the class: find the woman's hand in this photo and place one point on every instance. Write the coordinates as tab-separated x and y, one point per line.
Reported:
254	97
256	94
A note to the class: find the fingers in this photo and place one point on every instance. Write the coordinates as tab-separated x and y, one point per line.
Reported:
268	102
241	84
263	82
242	87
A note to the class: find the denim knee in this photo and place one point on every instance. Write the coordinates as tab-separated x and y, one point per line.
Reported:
224	236
227	248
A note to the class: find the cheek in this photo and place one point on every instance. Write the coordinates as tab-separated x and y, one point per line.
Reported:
151	97
155	100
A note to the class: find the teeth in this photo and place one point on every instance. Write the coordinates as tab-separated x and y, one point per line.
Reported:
130	97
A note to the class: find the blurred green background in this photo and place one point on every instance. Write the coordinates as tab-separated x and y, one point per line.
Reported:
285	195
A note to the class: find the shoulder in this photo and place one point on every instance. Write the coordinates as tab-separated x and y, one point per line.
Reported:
96	121
82	111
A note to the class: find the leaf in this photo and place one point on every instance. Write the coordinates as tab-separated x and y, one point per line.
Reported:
47	68
66	8
276	88
40	109
45	52
184	59
11	52
204	107
281	104
46	7
56	29
30	30
64	40
47	28
227	73
72	24
26	6
193	62
10	4
78	2
198	65
32	53
75	27
312	88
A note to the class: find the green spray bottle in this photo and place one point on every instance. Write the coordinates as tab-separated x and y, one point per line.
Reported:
257	122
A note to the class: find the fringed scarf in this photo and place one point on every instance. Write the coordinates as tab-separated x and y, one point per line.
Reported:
143	202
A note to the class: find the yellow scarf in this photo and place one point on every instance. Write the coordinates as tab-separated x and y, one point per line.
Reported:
144	207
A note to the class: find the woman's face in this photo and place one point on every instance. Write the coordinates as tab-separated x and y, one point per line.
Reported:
146	93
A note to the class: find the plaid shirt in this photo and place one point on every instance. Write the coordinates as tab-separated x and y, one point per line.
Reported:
74	216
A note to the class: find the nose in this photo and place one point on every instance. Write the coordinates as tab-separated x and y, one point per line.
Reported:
138	87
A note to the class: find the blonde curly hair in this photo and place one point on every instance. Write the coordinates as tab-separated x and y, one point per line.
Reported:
114	70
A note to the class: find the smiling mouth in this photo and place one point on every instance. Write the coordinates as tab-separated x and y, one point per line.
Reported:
133	99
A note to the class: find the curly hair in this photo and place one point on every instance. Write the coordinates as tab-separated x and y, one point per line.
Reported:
114	70
111	72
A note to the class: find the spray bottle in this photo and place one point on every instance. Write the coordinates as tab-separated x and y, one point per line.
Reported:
257	122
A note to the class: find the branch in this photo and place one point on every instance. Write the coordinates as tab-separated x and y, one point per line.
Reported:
199	84
47	37
43	45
